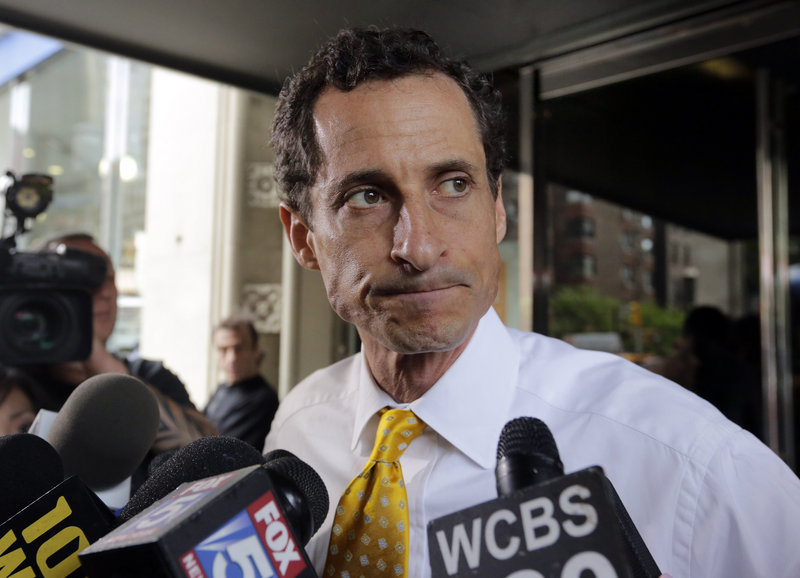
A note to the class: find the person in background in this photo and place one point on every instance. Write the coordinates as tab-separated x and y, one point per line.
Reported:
389	159
17	406
709	361
244	404
181	421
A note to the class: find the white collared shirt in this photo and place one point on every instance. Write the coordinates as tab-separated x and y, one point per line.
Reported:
708	498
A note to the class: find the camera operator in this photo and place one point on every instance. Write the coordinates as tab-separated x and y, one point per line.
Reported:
181	422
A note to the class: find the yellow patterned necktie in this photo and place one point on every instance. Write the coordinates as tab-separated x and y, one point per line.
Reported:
370	528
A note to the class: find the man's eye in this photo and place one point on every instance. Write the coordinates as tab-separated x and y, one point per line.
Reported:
454	187
365	198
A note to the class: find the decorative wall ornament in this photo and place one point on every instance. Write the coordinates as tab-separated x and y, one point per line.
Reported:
262	191
262	302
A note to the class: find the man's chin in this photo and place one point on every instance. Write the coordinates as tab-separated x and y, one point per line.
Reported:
408	341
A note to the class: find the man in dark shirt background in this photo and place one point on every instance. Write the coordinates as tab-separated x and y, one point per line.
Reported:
244	405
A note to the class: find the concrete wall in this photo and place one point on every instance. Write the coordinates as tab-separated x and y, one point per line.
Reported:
214	243
175	263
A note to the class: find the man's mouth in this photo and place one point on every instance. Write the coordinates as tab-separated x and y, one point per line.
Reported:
418	286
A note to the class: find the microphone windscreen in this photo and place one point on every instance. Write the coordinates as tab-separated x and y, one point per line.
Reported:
527	454
202	458
105	428
31	467
306	480
278	453
159	459
527	435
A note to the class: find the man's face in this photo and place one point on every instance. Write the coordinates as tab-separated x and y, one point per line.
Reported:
404	225
104	299
238	355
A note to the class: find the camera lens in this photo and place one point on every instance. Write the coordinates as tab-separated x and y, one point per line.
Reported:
36	326
44	325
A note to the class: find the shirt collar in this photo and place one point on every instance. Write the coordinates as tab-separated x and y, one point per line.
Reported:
370	399
469	405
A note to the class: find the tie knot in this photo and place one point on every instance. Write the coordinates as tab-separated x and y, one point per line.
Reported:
395	431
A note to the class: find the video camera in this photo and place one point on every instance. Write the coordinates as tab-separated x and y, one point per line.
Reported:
45	297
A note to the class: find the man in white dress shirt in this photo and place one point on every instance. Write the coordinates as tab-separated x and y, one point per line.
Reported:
389	157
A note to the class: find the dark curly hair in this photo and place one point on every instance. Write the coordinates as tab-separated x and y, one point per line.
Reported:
12	377
355	56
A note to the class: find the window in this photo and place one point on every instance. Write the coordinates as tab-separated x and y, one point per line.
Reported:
627	275
82	117
580	228
647	281
674	253
628	240
577	197
583	267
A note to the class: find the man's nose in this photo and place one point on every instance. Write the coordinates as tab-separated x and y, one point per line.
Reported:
418	235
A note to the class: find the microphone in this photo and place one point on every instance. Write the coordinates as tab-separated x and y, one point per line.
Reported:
103	432
301	492
304	496
544	523
251	520
51	520
202	458
105	429
526	455
32	467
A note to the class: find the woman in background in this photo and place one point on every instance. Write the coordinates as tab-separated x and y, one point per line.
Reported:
17	406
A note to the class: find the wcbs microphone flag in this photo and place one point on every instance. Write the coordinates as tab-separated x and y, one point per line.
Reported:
561	528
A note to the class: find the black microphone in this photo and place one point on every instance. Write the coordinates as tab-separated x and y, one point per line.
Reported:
542	521
202	458
301	492
54	519
304	496
526	455
255	518
31	467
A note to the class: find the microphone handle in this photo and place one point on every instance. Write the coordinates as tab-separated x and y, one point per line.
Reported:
518	471
294	506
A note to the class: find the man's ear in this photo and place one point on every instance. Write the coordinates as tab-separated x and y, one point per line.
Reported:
300	237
